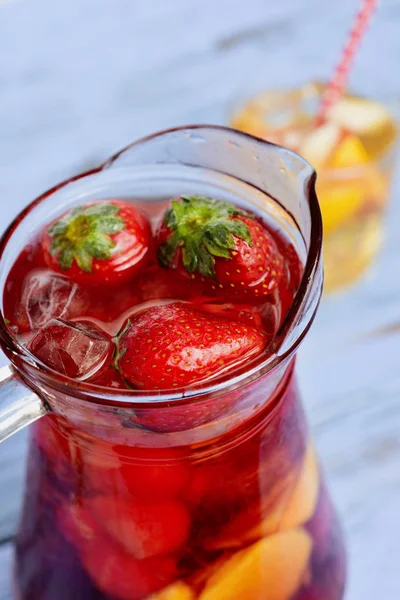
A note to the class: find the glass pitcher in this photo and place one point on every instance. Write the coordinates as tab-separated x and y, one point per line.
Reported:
233	509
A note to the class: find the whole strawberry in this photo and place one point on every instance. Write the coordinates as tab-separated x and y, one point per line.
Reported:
223	246
98	243
174	345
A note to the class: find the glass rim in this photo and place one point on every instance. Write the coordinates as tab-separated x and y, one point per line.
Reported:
392	103
41	374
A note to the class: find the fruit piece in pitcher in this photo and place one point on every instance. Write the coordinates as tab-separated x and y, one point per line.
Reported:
257	519
143	529
142	474
114	571
291	503
174	345
303	499
46	295
101	243
221	245
273	567
74	349
176	591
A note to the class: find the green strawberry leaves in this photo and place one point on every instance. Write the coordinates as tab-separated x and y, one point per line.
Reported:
204	228
84	234
66	257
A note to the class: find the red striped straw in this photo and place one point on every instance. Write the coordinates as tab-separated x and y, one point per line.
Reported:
335	88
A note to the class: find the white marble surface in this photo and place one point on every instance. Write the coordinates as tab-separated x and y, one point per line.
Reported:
79	79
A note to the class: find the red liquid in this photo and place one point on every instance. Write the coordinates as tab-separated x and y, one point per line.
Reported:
242	514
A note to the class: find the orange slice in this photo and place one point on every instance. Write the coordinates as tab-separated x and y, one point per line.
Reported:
349	153
176	591
339	201
272	568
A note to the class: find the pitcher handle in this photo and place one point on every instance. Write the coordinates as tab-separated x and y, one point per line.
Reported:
19	404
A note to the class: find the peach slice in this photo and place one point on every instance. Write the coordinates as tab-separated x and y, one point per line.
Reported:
298	507
246	526
237	533
200	577
272	568
369	120
294	503
303	500
175	591
359	115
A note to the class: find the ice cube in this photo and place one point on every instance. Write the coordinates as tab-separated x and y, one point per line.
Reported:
320	144
78	350
45	296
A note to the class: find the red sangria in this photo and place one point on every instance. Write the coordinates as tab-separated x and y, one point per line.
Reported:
189	473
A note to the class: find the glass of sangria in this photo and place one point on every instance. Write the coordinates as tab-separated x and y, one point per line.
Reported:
354	154
152	310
